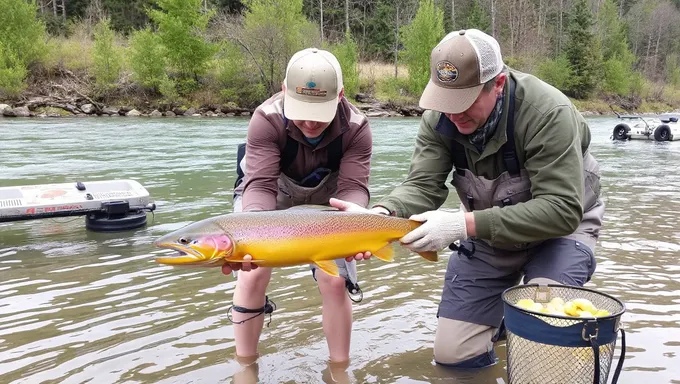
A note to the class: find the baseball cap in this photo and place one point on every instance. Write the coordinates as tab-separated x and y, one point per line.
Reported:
313	83
459	66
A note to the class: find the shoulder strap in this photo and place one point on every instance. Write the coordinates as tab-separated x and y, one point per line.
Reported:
334	154
509	152
289	153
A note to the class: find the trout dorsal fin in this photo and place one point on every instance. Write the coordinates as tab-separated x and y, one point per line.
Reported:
329	267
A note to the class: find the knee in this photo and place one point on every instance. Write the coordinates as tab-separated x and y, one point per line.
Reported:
330	285
254	282
463	345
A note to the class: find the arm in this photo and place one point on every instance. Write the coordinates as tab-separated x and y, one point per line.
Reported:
263	155
555	165
424	188
355	168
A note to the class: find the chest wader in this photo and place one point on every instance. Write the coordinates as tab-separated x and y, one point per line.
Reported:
514	186
316	189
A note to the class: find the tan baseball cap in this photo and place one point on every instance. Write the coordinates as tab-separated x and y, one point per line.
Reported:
313	83
459	66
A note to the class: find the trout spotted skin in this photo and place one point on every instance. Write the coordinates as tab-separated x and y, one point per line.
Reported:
280	238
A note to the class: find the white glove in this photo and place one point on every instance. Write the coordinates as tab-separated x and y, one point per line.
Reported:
440	229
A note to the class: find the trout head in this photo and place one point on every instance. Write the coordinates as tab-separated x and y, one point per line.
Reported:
200	244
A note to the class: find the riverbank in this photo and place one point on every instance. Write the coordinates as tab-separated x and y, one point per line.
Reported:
46	107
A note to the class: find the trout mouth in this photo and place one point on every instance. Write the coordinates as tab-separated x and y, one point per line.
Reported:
183	255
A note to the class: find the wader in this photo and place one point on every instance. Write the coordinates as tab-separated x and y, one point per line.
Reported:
316	189
471	308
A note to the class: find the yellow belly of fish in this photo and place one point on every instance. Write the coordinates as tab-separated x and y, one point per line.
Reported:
316	250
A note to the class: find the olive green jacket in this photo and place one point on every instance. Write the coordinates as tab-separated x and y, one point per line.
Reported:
551	137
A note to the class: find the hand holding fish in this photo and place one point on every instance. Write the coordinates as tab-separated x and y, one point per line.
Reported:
441	228
245	266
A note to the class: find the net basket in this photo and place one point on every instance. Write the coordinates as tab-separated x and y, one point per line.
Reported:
548	348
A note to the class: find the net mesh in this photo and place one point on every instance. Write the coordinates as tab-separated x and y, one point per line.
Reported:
490	61
531	362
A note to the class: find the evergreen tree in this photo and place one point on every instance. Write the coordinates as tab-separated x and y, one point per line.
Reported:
582	51
478	18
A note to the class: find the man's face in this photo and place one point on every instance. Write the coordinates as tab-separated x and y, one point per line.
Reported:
311	128
474	117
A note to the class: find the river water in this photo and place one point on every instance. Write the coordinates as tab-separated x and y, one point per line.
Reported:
78	306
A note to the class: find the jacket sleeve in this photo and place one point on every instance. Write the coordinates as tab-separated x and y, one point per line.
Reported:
263	156
355	167
425	186
554	162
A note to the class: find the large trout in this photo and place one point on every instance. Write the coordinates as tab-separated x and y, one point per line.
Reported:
296	236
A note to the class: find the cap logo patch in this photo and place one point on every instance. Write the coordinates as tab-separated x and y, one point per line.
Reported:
311	91
446	72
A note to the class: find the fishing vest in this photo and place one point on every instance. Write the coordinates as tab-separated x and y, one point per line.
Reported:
513	186
315	188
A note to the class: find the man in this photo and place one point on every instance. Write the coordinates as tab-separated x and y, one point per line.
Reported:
304	145
529	190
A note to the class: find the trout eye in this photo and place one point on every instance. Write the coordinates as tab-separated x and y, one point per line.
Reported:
183	240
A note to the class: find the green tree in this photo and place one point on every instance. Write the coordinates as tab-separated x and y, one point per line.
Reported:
107	57
618	59
419	38
181	25
348	57
235	77
582	51
478	17
12	74
21	33
147	59
273	30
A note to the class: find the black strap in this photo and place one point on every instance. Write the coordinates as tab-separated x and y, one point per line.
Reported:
509	152
619	365
289	153
510	159
267	309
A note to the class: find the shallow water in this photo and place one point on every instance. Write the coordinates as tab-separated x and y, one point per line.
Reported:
78	306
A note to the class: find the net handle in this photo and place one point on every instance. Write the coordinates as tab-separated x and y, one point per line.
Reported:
596	352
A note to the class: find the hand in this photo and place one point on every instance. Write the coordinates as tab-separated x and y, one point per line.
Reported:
440	229
245	266
351	207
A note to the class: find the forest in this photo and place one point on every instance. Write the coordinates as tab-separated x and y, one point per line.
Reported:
162	54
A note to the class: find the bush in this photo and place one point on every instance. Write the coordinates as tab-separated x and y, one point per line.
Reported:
147	59
555	72
347	55
238	80
12	74
107	57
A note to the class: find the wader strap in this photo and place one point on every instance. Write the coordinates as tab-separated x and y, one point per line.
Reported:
240	153
509	152
267	309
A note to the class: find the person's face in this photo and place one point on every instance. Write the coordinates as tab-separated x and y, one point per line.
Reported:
474	117
311	128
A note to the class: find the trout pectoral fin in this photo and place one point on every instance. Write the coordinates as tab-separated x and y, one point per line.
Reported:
329	267
385	253
429	255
